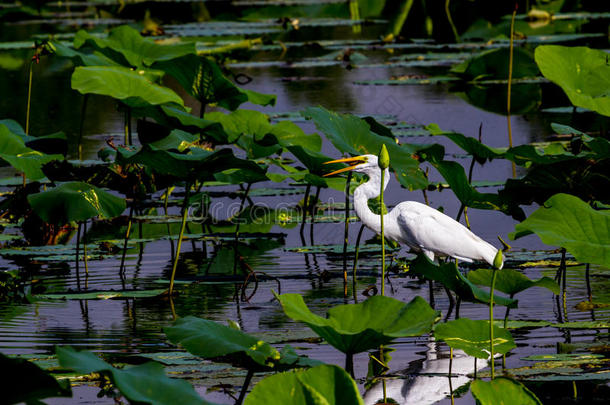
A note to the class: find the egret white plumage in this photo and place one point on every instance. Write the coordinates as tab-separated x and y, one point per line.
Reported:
422	228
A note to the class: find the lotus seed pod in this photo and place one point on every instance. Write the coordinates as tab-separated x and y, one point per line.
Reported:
384	158
499	260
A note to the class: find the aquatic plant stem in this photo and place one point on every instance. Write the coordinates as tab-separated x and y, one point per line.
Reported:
381	205
355	267
127	233
450	367
304	208
27	111
453	29
510	78
127	125
505	324
82	126
312	212
85	248
187	189
77	258
244	387
491	322
346	232
349	363
236	241
588	282
354	13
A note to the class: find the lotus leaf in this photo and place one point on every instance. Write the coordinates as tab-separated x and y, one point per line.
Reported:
325	384
26	382
510	281
126	46
203	79
473	337
132	87
449	275
75	201
209	339
583	73
567	221
145	383
353	135
355	328
502	391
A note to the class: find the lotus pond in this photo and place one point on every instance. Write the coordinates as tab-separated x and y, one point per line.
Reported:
169	235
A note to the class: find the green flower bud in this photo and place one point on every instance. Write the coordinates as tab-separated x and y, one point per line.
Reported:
499	260
384	158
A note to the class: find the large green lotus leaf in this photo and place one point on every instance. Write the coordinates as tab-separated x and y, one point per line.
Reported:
455	175
197	164
30	162
510	281
583	73
353	135
136	50
211	340
145	383
25	382
81	58
473	337
203	79
449	275
289	134
355	328
10	142
173	116
75	201
251	130
567	221
321	385
502	391
493	64
132	87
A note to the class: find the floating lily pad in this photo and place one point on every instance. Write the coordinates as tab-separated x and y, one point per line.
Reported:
102	295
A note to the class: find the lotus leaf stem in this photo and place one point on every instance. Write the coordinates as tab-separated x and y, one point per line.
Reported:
491	322
356	264
236	241
127	233
346	231
27	111
82	126
244	387
187	189
510	79
304	208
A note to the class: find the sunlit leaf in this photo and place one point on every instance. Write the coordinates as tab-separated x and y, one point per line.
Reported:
145	383
354	328
325	384
510	281
502	391
583	73
75	201
473	337
567	221
130	86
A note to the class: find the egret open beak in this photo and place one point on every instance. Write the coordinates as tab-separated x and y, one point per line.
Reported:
353	162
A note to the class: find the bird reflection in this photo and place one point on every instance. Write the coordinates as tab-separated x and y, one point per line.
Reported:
431	383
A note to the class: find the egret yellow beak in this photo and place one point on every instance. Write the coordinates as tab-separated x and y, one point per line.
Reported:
353	162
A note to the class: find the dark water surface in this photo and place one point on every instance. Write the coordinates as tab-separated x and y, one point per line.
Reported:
134	326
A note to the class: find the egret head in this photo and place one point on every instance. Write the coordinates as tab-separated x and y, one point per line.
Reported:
366	164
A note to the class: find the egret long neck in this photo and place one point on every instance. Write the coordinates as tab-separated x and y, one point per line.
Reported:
362	194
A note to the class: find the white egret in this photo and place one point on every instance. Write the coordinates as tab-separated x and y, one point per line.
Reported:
422	228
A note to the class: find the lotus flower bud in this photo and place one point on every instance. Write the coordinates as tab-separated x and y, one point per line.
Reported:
384	158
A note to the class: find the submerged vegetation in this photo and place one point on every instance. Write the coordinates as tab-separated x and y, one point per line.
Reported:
184	133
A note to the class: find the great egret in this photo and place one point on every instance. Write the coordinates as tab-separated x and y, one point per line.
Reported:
422	228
